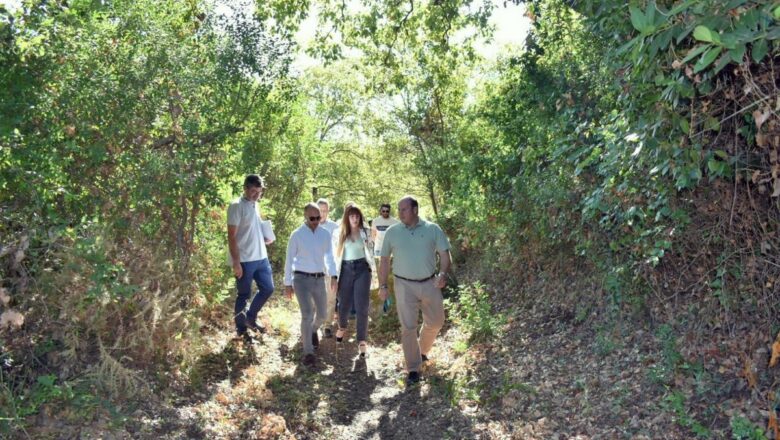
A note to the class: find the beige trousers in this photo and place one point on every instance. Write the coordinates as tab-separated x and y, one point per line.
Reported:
411	298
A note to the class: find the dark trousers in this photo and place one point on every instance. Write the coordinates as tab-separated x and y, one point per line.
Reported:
354	284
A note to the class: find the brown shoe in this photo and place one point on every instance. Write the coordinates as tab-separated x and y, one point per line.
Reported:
309	360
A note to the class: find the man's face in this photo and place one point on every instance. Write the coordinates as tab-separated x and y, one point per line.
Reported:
253	193
406	213
384	212
324	211
313	218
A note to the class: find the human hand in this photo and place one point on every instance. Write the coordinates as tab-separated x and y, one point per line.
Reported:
238	271
288	291
334	284
268	241
440	281
383	293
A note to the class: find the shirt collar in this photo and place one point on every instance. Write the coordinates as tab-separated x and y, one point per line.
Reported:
420	222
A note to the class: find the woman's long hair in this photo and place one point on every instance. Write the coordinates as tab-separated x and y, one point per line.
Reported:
346	229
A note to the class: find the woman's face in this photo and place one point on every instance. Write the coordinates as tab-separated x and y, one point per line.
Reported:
354	219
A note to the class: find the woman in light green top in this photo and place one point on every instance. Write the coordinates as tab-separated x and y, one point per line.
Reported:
353	251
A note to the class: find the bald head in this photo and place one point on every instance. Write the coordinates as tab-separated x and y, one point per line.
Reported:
311	214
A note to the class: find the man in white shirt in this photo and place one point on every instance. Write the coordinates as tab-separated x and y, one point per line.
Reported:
379	225
309	259
248	255
330	226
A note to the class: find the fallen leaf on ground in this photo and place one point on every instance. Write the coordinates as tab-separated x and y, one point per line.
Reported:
11	318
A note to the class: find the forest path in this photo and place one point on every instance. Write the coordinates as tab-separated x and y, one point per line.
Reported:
545	379
262	390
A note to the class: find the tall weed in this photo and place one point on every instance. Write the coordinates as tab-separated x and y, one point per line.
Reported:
472	309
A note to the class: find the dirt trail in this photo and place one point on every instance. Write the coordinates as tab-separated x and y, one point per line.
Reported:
261	390
545	379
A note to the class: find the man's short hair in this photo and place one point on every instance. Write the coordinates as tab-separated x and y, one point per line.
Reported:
254	180
412	201
310	205
385	205
323	202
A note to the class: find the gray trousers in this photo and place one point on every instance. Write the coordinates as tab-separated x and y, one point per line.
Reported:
313	302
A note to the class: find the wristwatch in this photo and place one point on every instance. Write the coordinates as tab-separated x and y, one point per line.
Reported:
383	286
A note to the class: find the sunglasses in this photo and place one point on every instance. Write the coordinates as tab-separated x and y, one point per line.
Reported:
384	210
314	219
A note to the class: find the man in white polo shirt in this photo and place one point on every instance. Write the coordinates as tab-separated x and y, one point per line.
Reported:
379	226
330	226
309	260
414	244
248	255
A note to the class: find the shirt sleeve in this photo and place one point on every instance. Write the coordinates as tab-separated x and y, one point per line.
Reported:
233	215
334	242
291	252
442	244
330	262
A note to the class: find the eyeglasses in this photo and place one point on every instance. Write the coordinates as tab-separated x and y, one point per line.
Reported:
384	211
314	219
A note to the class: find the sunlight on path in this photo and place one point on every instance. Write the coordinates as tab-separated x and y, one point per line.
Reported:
263	391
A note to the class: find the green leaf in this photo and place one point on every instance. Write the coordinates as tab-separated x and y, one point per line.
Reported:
759	51
684	126
737	53
681	7
722	62
694	52
776	13
637	18
773	34
650	16
707	59
622	49
682	35
703	33
750	19
711	124
729	40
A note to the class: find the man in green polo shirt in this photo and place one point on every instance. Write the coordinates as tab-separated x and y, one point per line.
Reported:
413	244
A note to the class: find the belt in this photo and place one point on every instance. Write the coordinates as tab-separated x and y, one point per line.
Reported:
307	274
354	262
416	281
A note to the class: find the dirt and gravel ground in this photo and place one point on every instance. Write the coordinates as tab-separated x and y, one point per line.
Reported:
553	372
545	378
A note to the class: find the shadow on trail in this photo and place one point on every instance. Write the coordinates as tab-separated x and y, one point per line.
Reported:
418	412
230	363
335	390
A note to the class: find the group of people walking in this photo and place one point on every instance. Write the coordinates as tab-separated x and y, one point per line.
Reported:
329	267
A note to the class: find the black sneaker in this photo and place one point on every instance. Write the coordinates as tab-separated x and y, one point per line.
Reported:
424	358
309	360
315	340
256	327
412	378
246	337
327	333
